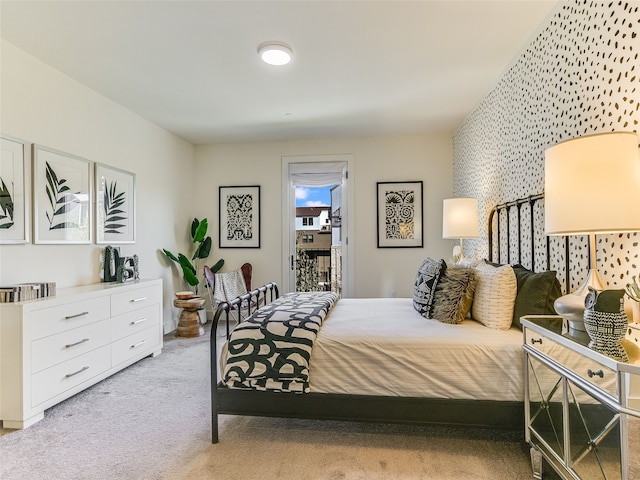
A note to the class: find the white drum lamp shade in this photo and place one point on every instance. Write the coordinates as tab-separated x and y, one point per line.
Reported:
460	220
590	186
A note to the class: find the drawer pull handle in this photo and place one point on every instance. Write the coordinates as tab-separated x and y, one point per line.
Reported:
135	322
597	373
138	344
68	375
536	340
69	317
69	345
141	299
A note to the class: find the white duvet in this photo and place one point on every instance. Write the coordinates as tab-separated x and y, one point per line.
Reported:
382	346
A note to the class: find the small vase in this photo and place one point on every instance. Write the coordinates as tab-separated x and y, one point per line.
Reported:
606	326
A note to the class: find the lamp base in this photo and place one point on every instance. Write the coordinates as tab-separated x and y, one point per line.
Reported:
571	306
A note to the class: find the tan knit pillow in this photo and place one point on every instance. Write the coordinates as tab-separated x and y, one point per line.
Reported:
495	296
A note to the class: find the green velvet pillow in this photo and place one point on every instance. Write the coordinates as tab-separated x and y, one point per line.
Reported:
536	293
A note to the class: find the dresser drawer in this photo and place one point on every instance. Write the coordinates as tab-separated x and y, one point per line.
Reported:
65	376
135	299
64	346
51	320
146	340
590	370
132	322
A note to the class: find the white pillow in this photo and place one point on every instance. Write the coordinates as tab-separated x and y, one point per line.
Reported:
495	296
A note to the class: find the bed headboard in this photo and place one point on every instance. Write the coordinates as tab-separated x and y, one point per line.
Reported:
516	235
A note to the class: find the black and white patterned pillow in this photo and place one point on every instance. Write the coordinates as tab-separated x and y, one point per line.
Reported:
424	289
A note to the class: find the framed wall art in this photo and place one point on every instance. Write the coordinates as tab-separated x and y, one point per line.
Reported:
399	210
115	205
62	195
14	193
239	217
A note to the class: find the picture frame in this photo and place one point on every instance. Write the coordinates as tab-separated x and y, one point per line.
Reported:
62	197
239	216
15	208
115	205
400	214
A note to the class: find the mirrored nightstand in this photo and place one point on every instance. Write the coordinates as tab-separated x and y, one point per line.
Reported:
579	404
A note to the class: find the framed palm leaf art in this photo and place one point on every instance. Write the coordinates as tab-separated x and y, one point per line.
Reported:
15	219
115	205
62	193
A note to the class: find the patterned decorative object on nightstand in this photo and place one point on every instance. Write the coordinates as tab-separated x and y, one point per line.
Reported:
606	322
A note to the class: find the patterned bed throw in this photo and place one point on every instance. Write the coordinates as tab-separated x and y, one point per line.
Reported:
271	349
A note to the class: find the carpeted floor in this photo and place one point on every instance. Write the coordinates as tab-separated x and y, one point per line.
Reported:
152	421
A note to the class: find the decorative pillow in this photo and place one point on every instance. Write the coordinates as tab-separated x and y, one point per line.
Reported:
495	296
454	294
536	293
426	281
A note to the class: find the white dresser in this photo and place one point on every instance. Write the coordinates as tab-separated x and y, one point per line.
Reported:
53	348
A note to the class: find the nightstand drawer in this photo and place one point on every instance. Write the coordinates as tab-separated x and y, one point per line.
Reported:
135	299
49	321
64	346
590	370
65	376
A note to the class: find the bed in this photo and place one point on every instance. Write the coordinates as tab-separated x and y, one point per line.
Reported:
380	359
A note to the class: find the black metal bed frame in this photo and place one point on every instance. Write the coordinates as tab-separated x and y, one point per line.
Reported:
368	408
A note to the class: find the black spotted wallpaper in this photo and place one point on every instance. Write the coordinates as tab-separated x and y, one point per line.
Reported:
579	75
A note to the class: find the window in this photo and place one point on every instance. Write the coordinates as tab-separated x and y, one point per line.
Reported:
308	238
307	221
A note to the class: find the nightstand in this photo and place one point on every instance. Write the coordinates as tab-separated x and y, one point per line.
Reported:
579	404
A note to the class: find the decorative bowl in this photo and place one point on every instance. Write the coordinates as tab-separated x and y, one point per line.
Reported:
184	295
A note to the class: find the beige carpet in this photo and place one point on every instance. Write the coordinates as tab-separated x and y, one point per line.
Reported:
152	421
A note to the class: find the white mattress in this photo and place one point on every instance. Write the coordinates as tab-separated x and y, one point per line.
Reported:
382	346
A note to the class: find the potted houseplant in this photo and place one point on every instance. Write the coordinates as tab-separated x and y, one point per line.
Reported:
191	265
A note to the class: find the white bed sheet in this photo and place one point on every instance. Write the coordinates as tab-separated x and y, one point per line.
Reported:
382	346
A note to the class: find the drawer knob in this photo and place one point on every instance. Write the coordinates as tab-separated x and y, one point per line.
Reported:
597	373
135	322
141	299
69	345
82	314
536	340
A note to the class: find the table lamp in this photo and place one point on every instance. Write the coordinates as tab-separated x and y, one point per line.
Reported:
591	185
459	220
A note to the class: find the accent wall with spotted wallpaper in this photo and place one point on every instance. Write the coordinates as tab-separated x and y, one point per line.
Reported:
579	75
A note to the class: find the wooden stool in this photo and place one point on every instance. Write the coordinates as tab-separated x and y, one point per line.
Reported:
189	321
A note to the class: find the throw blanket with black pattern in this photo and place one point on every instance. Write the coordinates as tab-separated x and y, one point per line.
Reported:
271	349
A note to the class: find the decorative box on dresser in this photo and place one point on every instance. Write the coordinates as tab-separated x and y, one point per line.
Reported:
55	347
580	404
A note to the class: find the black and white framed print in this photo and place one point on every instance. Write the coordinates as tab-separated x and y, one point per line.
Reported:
239	217
14	193
399	214
115	205
62	195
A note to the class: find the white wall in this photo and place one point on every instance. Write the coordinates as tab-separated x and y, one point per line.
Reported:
41	105
378	272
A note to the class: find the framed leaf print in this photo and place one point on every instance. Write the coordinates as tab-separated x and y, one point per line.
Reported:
14	195
239	217
115	205
62	193
399	214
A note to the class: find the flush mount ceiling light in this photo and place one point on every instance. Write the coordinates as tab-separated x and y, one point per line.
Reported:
275	53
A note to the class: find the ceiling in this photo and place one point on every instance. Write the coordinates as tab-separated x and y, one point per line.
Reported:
360	67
